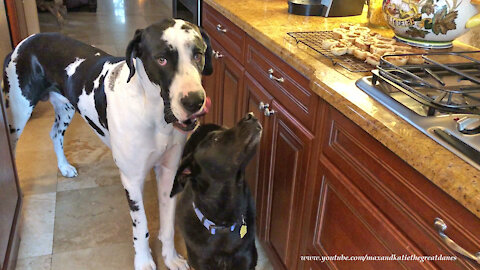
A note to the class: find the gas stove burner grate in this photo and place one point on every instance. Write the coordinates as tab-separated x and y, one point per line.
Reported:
314	40
447	81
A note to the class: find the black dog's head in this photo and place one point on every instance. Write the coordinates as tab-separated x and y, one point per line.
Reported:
174	54
214	155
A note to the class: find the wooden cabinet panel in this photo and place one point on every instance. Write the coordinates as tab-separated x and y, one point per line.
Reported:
230	84
230	36
344	221
224	87
210	84
10	199
405	197
290	148
293	93
255	173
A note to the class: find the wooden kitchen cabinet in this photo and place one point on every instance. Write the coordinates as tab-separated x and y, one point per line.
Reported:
255	99
224	87
322	185
10	199
229	88
277	175
288	151
366	200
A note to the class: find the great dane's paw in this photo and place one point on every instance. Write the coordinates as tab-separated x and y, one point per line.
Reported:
144	262
68	170
176	262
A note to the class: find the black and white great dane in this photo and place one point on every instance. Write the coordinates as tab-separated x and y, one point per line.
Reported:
141	106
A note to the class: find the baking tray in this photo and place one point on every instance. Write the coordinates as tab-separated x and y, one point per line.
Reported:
314	40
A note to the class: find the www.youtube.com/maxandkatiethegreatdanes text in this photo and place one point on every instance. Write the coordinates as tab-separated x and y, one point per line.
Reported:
366	257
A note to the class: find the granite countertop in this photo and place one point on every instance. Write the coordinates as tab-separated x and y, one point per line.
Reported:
268	21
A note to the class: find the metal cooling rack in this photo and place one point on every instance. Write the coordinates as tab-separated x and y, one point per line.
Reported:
314	40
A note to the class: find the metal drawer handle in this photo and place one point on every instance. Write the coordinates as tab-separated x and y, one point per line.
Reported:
270	74
263	106
221	29
268	112
217	54
440	226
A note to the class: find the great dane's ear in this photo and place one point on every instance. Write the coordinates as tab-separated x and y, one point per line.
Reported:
208	68
184	174
133	51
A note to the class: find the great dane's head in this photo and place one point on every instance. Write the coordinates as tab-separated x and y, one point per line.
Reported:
175	54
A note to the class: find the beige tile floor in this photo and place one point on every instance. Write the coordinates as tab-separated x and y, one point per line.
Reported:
83	222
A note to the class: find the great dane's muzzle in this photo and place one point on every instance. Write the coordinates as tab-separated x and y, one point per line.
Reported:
195	103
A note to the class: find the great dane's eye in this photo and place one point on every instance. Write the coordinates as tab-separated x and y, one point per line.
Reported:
198	57
162	61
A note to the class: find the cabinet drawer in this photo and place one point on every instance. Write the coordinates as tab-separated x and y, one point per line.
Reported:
404	196
224	31
283	82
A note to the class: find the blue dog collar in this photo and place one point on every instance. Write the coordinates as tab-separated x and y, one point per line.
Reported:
211	227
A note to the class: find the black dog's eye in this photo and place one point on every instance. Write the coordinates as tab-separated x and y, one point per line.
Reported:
198	57
162	61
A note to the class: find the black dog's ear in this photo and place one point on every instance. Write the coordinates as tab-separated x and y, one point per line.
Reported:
208	68
132	52
184	174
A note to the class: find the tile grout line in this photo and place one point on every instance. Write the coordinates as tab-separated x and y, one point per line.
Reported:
54	221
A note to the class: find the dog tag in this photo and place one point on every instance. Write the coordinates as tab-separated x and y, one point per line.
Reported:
243	231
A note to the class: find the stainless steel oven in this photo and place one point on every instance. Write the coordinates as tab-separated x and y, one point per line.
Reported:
189	10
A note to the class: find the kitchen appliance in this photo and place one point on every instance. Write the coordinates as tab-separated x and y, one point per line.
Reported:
326	8
431	24
441	98
188	10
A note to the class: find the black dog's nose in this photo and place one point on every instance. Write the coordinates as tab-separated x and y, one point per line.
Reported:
249	117
193	101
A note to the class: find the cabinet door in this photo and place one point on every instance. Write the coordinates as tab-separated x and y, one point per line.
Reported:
9	197
343	221
387	199
230	84
254	94
210	84
287	168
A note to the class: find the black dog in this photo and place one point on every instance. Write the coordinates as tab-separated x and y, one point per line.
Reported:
216	212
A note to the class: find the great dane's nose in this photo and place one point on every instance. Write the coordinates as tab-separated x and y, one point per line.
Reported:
193	101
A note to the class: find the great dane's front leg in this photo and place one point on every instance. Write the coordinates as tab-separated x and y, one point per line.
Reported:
134	189
165	174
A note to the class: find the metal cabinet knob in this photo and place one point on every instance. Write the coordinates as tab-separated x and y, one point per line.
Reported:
270	75
221	29
263	106
440	226
217	54
268	112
